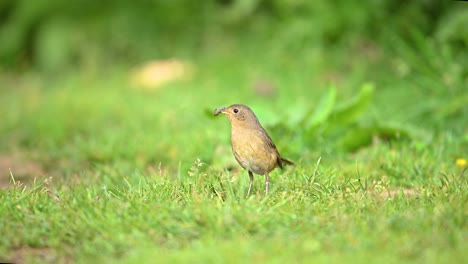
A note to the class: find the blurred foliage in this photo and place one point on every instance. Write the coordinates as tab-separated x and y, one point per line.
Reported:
344	123
418	44
55	34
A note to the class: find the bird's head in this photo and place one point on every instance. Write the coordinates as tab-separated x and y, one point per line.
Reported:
238	114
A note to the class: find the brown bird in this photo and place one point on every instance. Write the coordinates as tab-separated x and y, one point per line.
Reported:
251	145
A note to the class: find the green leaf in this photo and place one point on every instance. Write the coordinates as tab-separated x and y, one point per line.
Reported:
323	110
355	108
452	107
362	136
357	138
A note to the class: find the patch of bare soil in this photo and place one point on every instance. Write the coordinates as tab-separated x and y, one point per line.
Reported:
39	255
22	169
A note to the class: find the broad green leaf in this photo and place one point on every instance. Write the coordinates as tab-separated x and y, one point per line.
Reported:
450	108
355	108
357	138
323	110
362	136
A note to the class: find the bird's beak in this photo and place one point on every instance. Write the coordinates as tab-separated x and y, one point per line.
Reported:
219	111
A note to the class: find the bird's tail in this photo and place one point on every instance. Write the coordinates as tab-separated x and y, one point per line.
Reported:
287	162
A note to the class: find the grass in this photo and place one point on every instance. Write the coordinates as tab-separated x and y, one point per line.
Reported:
102	171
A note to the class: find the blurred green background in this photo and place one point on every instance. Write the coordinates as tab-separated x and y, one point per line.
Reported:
322	75
57	35
114	101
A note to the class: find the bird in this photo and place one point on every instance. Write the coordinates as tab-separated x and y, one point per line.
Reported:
251	145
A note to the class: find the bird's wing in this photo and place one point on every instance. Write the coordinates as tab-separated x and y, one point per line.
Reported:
272	145
268	140
279	160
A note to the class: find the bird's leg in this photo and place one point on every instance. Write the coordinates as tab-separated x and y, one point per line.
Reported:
267	182
251	182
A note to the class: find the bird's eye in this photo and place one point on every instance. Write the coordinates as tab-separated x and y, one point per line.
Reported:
236	110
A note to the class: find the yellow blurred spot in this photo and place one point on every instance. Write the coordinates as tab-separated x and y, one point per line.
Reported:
461	162
153	74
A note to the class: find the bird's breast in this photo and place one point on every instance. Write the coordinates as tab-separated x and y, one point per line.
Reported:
252	151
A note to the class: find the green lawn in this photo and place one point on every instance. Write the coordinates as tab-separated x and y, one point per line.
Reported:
93	168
